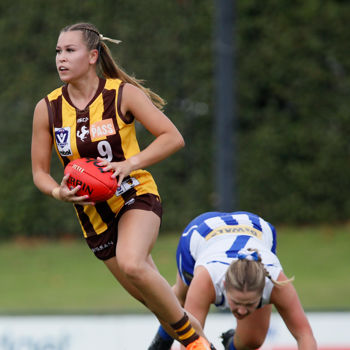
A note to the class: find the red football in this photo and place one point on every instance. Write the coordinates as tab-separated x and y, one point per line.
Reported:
94	182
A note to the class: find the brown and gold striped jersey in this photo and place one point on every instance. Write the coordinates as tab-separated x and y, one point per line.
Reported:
100	130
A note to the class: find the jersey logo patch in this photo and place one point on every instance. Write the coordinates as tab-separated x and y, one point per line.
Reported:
82	133
101	129
82	120
62	137
236	230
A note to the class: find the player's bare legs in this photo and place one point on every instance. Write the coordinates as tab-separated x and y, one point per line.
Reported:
137	233
136	271
122	279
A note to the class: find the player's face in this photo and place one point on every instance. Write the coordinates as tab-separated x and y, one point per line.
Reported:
73	59
242	304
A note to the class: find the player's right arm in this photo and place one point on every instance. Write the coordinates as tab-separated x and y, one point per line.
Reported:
198	302
41	159
41	150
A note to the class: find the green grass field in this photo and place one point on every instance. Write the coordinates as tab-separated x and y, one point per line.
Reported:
64	277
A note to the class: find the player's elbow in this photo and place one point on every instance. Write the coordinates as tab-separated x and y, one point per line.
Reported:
180	142
38	179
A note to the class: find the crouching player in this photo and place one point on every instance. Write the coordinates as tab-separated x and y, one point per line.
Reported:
229	260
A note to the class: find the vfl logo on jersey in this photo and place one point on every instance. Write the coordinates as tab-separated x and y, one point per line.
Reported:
62	137
101	129
82	133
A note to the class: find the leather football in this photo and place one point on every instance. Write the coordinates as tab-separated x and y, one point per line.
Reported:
94	182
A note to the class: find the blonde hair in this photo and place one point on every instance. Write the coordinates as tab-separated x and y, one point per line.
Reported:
94	40
247	274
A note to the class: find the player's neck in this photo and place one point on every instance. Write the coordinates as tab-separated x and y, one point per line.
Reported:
81	92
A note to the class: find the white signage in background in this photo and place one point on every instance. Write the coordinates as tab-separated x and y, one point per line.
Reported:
130	332
25	342
58	332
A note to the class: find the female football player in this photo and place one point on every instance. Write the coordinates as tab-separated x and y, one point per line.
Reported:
229	260
122	230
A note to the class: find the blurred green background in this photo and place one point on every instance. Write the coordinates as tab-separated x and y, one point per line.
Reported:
292	62
63	276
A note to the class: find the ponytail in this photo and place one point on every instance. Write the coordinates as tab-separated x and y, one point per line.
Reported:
109	68
248	273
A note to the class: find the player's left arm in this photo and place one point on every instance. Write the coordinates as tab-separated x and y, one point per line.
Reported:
287	303
200	294
167	137
167	140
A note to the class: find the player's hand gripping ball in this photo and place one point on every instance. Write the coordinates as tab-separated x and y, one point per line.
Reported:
94	182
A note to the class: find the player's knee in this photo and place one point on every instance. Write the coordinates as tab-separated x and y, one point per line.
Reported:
133	268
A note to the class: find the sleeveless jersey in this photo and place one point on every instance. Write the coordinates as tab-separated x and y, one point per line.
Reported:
213	240
100	130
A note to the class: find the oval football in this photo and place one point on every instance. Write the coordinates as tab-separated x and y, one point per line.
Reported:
94	182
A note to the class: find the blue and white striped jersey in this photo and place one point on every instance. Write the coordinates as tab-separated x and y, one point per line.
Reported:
213	240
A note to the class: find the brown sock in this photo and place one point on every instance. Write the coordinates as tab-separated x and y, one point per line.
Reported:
185	331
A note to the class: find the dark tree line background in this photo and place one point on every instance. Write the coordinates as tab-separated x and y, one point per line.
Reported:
293	120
